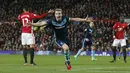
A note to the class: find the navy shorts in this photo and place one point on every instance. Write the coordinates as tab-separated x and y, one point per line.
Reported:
61	42
85	43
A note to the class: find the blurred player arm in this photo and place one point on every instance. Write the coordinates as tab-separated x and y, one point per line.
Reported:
127	28
43	23
115	26
81	19
43	15
114	30
128	25
19	17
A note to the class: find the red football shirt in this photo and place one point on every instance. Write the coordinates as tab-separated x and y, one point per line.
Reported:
26	18
120	30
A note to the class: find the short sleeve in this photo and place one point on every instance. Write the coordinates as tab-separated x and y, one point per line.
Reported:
68	20
126	25
32	15
115	25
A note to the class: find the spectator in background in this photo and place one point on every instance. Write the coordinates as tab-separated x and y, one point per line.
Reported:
102	9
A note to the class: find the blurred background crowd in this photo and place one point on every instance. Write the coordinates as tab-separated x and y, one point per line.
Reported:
106	13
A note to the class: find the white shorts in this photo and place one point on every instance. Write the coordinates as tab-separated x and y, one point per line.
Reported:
118	42
27	38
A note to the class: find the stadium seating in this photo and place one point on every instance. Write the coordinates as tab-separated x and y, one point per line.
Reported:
105	11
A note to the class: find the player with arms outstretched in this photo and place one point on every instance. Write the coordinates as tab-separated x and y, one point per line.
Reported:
27	36
59	25
119	29
87	41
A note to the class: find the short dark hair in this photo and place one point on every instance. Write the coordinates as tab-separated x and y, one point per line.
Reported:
58	9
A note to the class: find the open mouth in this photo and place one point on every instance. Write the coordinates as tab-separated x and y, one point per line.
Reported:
58	17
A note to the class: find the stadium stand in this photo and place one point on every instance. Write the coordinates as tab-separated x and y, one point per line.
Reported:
105	11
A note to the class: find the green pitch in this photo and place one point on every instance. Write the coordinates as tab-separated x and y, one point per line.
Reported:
55	64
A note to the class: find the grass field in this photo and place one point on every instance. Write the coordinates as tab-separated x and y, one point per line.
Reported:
55	64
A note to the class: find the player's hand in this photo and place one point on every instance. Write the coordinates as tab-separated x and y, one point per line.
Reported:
51	11
28	24
87	39
114	37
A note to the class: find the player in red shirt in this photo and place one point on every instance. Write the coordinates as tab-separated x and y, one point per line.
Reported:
119	37
27	37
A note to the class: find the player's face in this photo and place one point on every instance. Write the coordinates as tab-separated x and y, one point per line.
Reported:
58	15
91	25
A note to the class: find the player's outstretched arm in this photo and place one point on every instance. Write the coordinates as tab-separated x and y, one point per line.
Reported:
43	15
43	23
81	19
